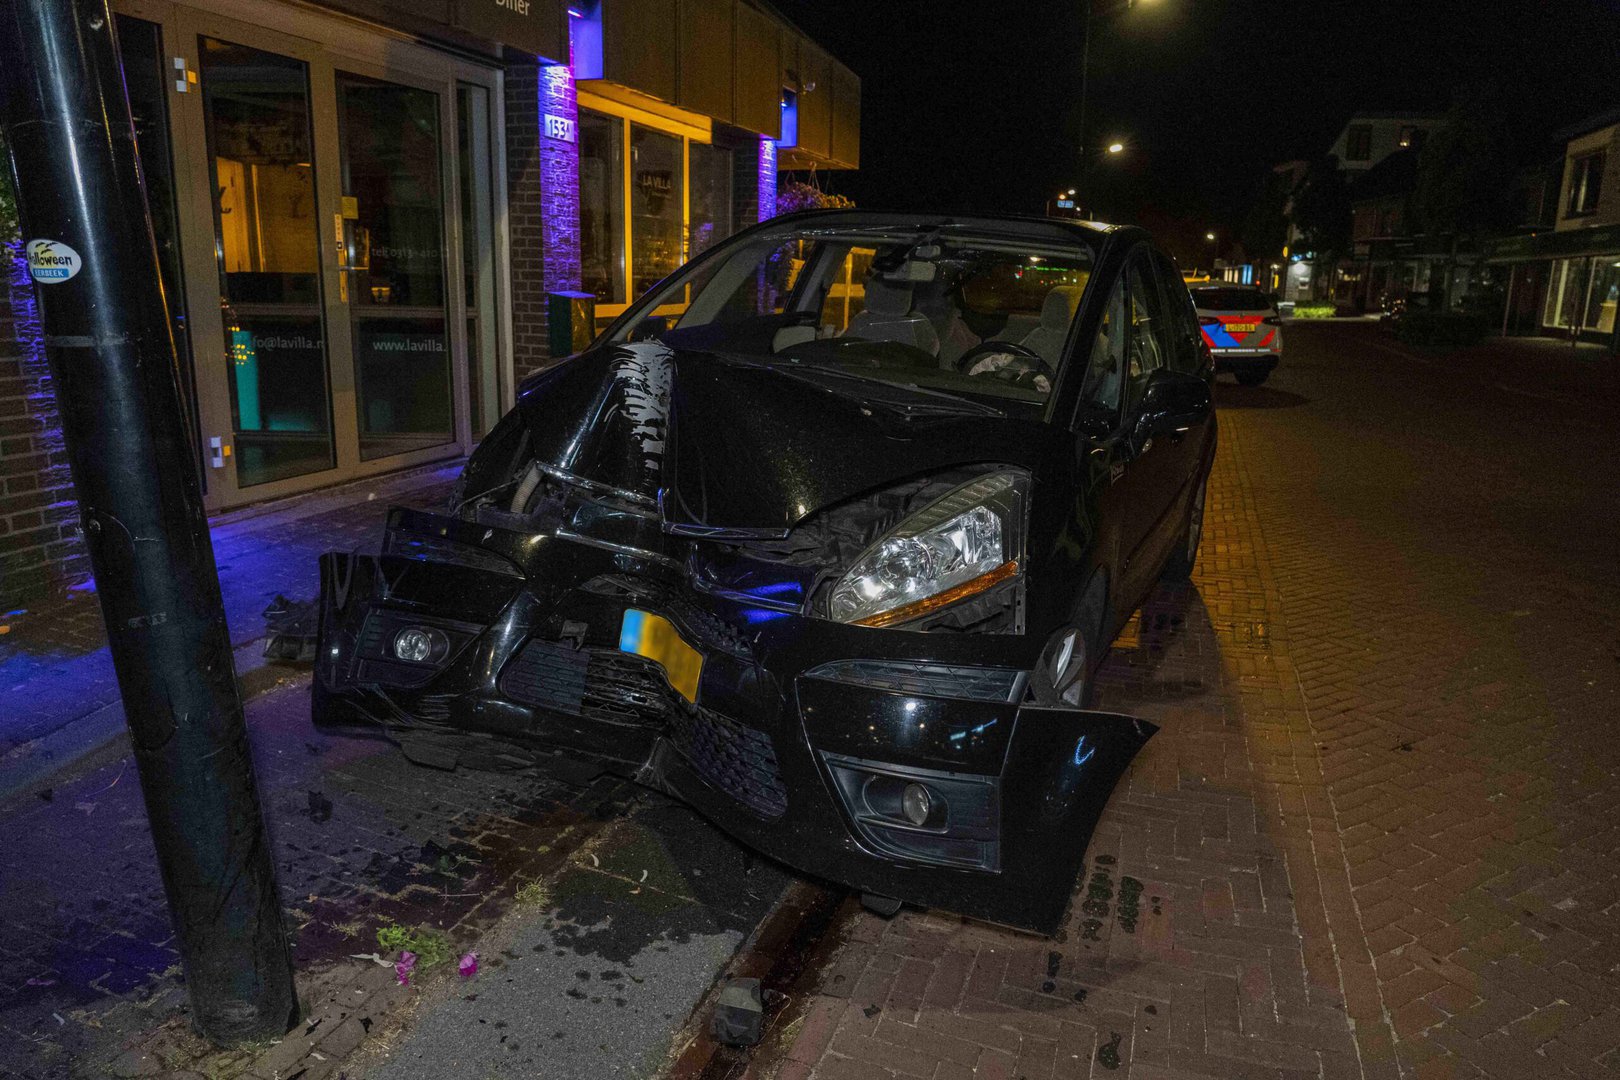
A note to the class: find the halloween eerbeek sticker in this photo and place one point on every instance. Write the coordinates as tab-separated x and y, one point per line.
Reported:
51	262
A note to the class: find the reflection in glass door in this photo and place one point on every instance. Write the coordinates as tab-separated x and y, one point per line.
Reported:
394	277
261	164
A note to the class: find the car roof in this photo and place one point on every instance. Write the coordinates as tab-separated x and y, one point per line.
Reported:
1095	233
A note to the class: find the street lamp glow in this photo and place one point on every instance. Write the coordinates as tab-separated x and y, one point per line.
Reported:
1209	236
1116	147
1071	191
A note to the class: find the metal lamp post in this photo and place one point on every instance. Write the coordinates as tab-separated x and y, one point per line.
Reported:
82	206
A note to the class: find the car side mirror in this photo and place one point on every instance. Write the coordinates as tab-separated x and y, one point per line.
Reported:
1172	402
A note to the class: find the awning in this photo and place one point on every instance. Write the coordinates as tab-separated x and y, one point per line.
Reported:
1569	244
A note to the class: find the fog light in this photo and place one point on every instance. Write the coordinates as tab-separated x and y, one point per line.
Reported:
916	804
413	644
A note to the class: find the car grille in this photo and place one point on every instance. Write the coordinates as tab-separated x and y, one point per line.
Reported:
735	758
925	680
613	687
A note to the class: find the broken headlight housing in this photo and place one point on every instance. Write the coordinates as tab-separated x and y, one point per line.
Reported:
964	543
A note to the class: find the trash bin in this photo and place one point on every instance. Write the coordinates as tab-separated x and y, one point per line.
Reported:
570	321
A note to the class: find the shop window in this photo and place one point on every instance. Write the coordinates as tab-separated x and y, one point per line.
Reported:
1585	184
711	196
1603	295
1358	143
657	189
601	205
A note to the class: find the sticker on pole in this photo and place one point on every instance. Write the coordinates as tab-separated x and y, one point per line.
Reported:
51	262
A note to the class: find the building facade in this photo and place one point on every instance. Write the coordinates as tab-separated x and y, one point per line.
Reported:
1564	270
375	217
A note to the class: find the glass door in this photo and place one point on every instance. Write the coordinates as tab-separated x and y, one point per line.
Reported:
341	248
393	264
261	168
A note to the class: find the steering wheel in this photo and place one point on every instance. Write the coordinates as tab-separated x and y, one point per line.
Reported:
1022	365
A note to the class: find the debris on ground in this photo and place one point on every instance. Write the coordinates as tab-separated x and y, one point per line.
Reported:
320	808
739	1014
403	966
292	626
468	965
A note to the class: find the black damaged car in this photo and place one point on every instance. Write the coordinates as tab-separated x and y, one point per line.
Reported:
825	536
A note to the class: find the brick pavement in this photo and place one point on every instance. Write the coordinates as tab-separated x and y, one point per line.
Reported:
1375	835
54	667
88	962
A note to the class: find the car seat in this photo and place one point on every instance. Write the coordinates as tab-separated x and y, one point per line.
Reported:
888	317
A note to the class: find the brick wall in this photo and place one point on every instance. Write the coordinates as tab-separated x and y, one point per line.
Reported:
526	218
40	549
766	178
753	176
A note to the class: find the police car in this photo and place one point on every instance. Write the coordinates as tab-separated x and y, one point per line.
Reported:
1241	326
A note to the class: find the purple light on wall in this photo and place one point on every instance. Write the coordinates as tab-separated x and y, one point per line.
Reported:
559	177
585	39
767	178
54	557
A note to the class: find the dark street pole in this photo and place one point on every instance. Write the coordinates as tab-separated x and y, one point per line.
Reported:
90	247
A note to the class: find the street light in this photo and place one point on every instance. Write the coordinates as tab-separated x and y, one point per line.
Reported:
1115	147
1085	64
1210	237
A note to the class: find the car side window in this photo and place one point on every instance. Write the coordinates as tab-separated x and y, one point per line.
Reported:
1147	339
1185	355
1105	374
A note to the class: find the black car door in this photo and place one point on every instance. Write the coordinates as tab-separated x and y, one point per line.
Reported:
1182	345
1153	461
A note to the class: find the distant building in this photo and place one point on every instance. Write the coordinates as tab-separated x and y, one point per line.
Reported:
1368	139
1564	265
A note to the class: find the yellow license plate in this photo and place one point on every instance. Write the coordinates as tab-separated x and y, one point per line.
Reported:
645	634
1241	327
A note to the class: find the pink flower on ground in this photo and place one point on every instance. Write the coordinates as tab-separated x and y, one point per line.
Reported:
403	966
469	965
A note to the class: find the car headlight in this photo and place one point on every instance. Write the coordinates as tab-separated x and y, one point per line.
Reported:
962	544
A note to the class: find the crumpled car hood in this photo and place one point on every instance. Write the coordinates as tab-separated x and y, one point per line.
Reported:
732	447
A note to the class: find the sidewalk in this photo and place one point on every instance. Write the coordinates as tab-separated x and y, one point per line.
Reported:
56	676
600	912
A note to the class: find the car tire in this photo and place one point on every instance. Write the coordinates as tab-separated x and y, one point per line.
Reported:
1253	378
1079	689
1179	566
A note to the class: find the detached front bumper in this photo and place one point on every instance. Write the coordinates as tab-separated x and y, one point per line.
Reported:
804	734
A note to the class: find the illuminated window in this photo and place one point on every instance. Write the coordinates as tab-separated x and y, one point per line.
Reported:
653	192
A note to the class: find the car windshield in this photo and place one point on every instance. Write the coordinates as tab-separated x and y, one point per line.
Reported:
976	314
1227	299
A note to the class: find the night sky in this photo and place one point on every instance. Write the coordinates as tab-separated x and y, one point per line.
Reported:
973	106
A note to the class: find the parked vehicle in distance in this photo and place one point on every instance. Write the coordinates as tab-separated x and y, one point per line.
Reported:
1242	328
826	536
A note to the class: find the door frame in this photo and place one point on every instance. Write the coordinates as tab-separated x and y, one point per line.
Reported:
326	44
